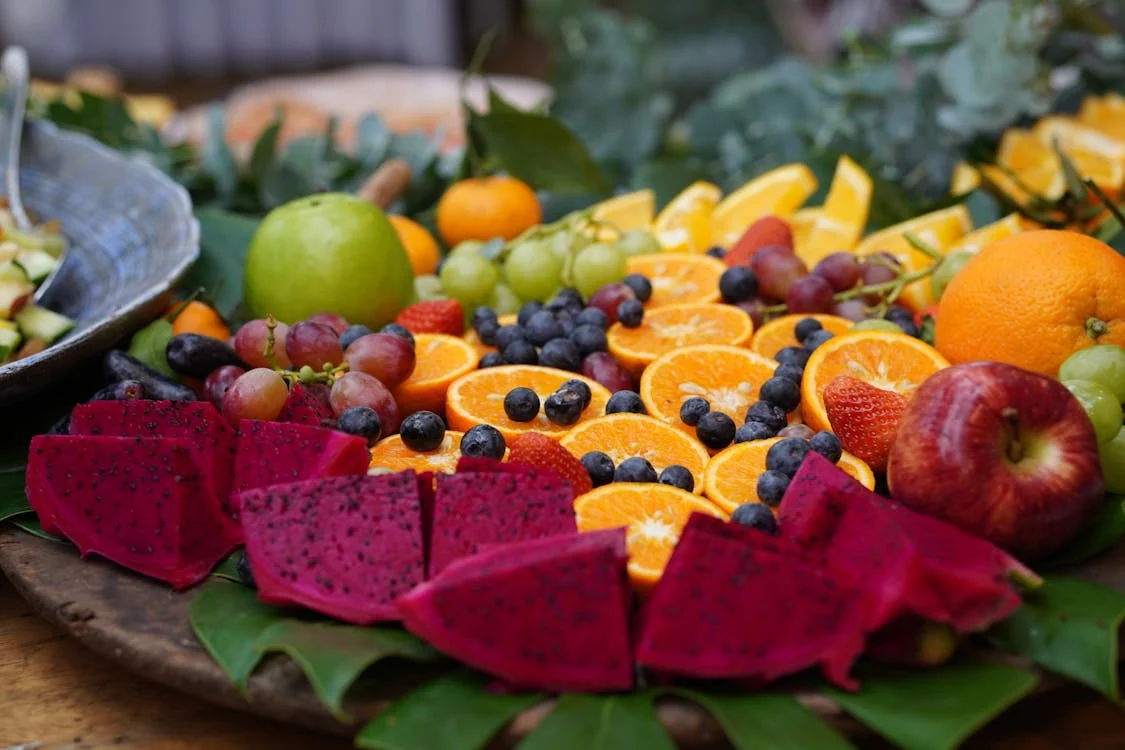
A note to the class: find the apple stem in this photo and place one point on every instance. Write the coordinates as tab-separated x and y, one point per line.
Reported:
1015	447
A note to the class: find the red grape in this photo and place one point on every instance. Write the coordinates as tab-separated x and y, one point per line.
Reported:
219	382
250	344
809	294
852	309
841	270
602	367
753	308
313	344
258	394
776	268
608	298
876	273
360	389
385	356
332	320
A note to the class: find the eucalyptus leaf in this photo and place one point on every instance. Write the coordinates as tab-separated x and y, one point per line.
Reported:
612	721
934	709
1068	626
265	150
29	522
228	620
453	712
1100	534
373	139
150	345
224	239
217	159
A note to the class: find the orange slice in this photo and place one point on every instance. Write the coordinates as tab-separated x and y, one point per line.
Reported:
779	332
778	192
473	340
629	211
965	179
1104	114
679	278
391	453
653	516
892	361
801	224
727	376
439	360
478	398
1033	162
623	436
844	216
731	476
673	326
684	226
978	239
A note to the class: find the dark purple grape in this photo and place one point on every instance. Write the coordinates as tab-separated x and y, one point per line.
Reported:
840	270
809	294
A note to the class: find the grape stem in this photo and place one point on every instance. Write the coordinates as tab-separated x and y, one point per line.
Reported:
305	374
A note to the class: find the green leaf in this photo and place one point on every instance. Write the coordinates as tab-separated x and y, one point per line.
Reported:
228	620
30	523
224	239
456	711
217	160
13	499
948	7
1070	627
150	345
625	721
265	150
1102	532
934	709
766	721
333	655
372	140
227	569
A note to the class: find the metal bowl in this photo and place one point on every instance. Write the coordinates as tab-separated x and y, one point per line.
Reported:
133	238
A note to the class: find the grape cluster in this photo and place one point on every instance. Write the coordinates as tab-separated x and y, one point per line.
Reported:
1096	377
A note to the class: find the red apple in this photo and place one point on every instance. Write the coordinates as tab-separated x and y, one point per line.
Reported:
1003	453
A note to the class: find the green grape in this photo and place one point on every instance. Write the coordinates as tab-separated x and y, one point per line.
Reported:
876	324
504	301
468	247
1113	462
428	287
596	266
565	243
533	270
946	270
639	242
468	278
1104	364
1101	406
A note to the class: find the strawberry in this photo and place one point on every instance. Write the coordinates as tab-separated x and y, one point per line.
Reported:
538	450
433	316
864	418
766	231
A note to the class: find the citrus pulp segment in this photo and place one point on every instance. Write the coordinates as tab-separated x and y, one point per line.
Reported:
671	327
779	333
391	454
439	360
679	278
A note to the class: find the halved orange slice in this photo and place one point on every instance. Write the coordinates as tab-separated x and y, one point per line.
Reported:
777	334
439	360
673	326
679	278
391	453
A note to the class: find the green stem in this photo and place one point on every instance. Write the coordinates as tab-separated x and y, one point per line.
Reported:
1109	204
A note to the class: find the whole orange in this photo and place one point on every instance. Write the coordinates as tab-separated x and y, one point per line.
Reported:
481	208
1032	300
420	245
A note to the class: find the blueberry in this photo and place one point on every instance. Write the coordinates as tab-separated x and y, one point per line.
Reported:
509	333
569	300
781	392
677	476
756	516
351	333
480	315
542	328
599	466
562	354
492	359
753	431
362	421
521	352
486	331
768	414
790	372
899	315
244	573
792	355
907	327
805	326
592	316
715	430
521	404
397	330
422	431
816	338
640	285
692	410
630	313
771	487
717	251
634	469
827	444
589	339
738	284
625	401
483	441
786	455
567	323
563	407
579	387
528	309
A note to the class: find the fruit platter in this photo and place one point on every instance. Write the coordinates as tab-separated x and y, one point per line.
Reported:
461	464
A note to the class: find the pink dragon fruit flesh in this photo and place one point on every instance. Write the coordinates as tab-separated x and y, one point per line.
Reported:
734	603
269	453
343	546
210	438
307	404
913	564
143	503
475	508
549	613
